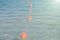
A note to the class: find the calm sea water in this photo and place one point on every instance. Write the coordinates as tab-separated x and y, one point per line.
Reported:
44	26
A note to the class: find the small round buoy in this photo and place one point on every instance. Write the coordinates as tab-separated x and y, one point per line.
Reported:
30	5
29	19
23	35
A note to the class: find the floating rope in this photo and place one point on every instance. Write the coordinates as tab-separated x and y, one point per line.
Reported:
24	34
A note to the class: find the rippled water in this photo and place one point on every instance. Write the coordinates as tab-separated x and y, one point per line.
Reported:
44	26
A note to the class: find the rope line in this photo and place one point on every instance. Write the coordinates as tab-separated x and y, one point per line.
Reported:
29	19
30	11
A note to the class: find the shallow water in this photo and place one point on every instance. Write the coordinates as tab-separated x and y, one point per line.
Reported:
44	26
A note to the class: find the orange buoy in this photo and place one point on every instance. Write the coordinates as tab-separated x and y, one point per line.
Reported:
30	5
23	35
29	19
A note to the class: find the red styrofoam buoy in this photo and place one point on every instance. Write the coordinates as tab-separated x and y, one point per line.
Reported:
23	35
29	19
30	5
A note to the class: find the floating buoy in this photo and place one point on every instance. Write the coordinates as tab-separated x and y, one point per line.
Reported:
30	5
23	35
29	19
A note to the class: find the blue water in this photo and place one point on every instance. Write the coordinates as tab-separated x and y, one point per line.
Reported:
44	26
